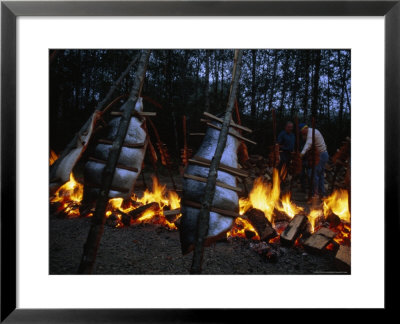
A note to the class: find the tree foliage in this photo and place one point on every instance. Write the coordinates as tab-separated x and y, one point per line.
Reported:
188	82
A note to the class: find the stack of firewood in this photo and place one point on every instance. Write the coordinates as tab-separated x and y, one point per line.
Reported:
338	169
258	166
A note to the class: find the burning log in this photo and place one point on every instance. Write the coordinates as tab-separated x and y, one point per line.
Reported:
343	257
294	229
280	216
140	211
319	240
232	123
262	225
172	215
333	219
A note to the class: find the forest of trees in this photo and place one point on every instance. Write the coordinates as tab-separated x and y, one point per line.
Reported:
305	83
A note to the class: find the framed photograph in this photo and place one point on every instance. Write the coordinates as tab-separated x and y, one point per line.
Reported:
189	155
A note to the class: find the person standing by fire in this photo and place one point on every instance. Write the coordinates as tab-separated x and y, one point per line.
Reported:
320	146
286	140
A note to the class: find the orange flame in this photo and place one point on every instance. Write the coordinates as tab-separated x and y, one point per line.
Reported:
313	216
266	198
240	227
71	193
288	207
338	204
53	157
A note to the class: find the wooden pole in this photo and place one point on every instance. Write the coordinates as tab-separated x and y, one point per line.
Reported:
204	216
101	105
99	217
162	152
296	156
296	120
274	138
310	194
185	157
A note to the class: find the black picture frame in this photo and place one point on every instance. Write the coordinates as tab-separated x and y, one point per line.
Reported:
10	10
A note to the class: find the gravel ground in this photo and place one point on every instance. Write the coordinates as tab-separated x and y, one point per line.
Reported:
152	249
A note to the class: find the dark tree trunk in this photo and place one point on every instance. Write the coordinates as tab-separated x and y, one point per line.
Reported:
343	86
272	86
306	84
207	83
253	84
216	76
295	87
169	80
329	98
315	95
222	79
204	216
284	83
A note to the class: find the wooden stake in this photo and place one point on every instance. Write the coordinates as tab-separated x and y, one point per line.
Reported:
205	162
219	184
162	152
185	151
310	193
96	230
141	113
231	124
223	212
233	134
204	216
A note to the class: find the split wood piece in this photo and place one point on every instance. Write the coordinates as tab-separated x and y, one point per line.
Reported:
223	212
172	212
205	162
343	257
280	216
119	166
233	134
218	183
172	215
197	134
319	240
294	229
141	113
139	212
109	142
262	225
114	188
232	124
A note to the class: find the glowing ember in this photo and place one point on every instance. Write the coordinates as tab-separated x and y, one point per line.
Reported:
343	236
263	196
288	207
338	204
240	227
313	216
53	157
71	193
